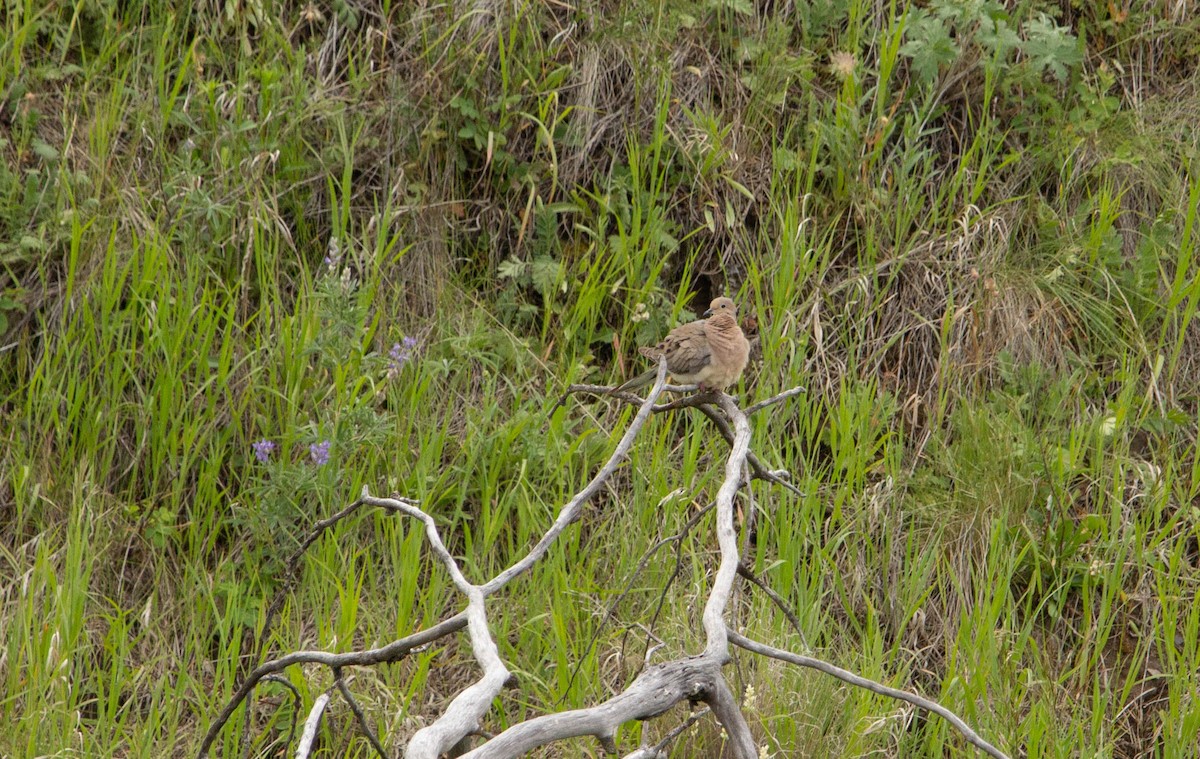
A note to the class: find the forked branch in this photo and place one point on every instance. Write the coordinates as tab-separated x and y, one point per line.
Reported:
861	682
698	678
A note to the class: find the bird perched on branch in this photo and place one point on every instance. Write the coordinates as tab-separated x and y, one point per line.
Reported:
710	353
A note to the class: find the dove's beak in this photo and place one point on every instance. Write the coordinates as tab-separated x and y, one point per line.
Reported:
708	313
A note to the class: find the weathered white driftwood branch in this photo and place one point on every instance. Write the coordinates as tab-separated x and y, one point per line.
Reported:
696	678
464	715
310	726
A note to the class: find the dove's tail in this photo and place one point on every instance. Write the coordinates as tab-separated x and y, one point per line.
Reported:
641	380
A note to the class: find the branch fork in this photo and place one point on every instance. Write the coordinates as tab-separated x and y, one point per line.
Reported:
698	678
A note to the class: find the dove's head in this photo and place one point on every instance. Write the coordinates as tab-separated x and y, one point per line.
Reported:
721	306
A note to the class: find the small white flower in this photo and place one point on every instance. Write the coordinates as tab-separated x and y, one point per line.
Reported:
1108	426
842	64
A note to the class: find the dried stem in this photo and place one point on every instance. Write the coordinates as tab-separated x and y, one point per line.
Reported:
296	701
643	562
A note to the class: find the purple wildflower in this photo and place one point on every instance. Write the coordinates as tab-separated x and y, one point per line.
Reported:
333	255
263	449
400	354
319	452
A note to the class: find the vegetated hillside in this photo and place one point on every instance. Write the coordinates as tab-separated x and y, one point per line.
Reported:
258	254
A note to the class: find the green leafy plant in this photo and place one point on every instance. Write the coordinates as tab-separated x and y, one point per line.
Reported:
936	37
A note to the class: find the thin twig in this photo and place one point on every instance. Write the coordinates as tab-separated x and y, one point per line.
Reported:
760	470
610	612
344	689
611	390
290	573
678	570
849	677
775	399
655	751
296	701
290	576
702	401
777	599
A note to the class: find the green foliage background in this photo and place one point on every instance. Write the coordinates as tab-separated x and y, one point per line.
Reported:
966	226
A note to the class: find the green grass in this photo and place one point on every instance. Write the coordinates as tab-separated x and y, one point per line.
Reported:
970	235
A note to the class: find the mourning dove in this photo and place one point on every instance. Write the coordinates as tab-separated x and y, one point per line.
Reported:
710	353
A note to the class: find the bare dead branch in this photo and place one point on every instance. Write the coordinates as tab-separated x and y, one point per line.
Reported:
861	682
640	700
310	726
727	711
653	693
654	690
466	711
775	399
340	681
777	599
658	688
570	512
713	618
296	701
394	651
656	751
463	715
